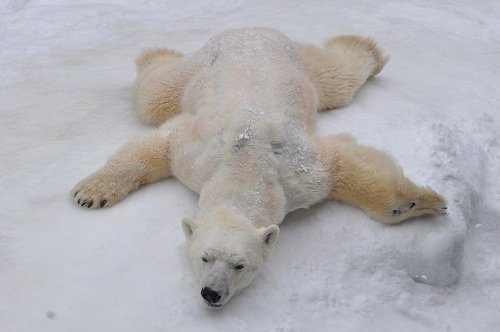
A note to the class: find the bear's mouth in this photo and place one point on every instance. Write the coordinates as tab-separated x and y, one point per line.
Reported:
214	305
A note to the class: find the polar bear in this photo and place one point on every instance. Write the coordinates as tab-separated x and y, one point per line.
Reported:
237	127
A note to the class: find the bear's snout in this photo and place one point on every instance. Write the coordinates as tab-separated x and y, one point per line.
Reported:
210	295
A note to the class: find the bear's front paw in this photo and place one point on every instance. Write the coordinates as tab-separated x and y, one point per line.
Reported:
97	191
420	210
427	203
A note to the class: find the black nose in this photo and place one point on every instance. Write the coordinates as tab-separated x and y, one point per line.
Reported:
209	295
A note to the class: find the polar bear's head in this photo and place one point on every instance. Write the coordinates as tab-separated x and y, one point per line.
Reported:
227	253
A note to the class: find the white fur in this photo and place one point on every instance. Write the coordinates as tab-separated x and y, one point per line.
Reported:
238	128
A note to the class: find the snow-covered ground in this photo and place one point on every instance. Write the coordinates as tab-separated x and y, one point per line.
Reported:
67	73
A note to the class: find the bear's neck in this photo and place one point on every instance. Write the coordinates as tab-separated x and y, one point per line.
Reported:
259	200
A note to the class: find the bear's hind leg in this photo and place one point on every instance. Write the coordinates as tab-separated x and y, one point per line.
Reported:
369	179
162	77
340	69
156	57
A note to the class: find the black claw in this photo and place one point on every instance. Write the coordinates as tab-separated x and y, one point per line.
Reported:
79	201
76	193
84	202
412	205
445	208
90	204
103	202
394	212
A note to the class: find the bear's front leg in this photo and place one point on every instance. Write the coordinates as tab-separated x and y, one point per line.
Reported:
135	164
368	178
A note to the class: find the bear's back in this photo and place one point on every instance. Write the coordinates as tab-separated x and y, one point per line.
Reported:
246	44
251	107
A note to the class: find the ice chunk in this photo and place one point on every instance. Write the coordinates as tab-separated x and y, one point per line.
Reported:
436	259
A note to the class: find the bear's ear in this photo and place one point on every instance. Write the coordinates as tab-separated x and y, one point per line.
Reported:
270	235
188	227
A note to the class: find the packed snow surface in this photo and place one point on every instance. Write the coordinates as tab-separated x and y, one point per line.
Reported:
66	104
